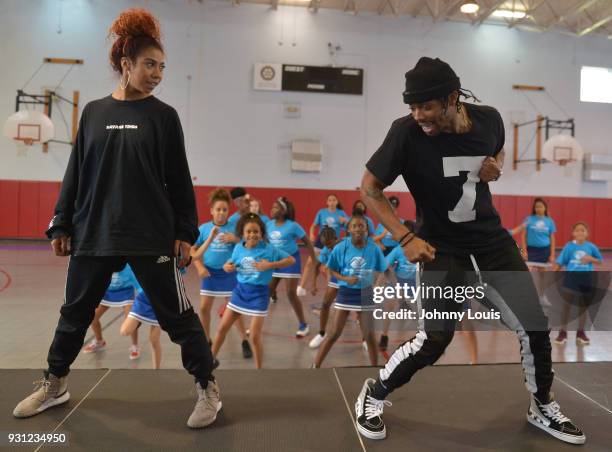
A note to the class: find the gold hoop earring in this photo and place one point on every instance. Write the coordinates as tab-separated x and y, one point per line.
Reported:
123	87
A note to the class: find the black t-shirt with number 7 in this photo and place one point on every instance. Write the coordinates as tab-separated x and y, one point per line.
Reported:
455	211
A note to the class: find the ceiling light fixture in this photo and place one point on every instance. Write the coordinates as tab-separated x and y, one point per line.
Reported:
469	8
507	14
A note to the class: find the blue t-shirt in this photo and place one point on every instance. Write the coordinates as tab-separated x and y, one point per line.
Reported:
349	260
217	253
283	236
539	230
572	254
371	227
233	220
405	269
326	217
264	218
123	279
387	240
324	255
244	258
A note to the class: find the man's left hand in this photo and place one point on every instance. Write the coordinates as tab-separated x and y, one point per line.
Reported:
182	250
490	170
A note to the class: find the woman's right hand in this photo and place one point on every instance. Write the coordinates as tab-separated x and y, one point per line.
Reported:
61	245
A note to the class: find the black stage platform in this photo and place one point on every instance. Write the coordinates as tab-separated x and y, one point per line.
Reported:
454	408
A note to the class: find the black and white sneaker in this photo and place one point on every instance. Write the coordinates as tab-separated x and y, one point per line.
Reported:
550	419
368	411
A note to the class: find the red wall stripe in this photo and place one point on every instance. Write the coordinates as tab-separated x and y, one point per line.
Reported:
26	208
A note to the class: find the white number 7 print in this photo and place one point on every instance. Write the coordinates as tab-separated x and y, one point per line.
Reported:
464	210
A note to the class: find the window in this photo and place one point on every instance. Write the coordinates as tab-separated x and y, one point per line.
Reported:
596	84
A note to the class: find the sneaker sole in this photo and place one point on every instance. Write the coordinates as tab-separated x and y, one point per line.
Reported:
45	406
134	357
582	342
371	435
561	342
561	436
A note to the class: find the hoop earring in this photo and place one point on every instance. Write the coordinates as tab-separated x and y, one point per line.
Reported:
123	87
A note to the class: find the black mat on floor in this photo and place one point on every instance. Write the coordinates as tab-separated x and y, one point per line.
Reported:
471	408
481	408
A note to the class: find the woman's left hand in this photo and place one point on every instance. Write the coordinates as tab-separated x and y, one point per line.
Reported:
182	250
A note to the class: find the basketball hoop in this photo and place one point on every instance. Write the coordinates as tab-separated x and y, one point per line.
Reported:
563	150
27	127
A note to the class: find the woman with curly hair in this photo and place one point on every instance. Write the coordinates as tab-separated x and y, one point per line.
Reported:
127	197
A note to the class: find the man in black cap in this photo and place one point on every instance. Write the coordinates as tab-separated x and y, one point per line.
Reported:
241	200
447	152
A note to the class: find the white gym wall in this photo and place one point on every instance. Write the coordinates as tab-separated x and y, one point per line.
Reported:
239	136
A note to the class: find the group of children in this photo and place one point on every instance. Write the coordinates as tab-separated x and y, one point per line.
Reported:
576	258
243	257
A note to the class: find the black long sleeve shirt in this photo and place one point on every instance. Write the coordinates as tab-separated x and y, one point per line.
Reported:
127	188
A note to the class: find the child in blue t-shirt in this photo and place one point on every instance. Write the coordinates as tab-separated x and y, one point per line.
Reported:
255	207
538	236
355	262
120	293
283	232
142	312
384	237
400	270
254	259
334	217
211	251
329	241
578	257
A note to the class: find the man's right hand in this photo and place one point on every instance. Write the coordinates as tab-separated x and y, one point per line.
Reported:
418	250
61	245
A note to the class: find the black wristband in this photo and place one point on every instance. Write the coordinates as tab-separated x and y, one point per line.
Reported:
403	237
410	239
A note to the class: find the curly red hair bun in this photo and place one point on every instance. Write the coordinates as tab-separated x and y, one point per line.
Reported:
134	30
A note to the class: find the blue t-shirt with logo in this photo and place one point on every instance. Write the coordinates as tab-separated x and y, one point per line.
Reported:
283	236
244	258
539	230
572	254
405	269
326	217
387	240
123	279
348	260
217	253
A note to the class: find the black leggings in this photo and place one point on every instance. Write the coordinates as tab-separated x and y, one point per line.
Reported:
87	281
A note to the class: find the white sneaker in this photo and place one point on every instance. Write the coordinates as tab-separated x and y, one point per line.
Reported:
364	344
301	292
134	352
94	346
316	341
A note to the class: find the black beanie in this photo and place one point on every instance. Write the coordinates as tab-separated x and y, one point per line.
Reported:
237	192
430	79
